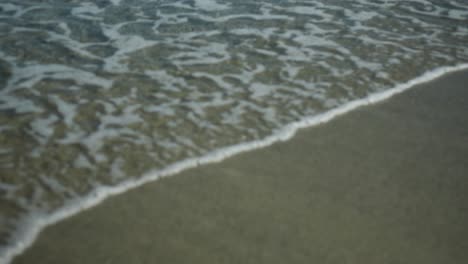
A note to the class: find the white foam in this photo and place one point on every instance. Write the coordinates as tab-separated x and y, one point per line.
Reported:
210	5
259	90
22	11
308	10
115	2
125	45
21	105
457	14
360	16
263	16
38	221
87	11
82	162
28	76
42	127
211	53
168	82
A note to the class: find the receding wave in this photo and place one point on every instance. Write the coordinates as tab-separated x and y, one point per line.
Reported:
98	97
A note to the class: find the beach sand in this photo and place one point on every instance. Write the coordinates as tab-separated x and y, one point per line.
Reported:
386	183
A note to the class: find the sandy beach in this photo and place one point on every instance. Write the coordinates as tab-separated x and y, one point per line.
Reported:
386	183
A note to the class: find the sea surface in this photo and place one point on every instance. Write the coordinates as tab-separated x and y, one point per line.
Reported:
97	95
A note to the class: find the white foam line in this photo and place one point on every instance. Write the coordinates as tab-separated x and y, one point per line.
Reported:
33	225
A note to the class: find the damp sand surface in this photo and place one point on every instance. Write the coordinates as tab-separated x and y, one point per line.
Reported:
382	184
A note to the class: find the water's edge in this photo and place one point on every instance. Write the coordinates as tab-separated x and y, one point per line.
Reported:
35	223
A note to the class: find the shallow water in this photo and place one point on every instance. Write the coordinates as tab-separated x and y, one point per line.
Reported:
95	93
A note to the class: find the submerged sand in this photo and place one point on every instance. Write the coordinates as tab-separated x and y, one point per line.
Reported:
387	183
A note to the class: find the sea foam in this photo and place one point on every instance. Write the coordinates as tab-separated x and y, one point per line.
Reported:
32	225
95	95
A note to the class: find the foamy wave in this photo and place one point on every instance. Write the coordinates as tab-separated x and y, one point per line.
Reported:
33	224
88	86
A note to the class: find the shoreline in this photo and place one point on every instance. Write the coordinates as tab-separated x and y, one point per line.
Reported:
217	156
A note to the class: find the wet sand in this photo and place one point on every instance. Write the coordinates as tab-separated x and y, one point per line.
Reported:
386	183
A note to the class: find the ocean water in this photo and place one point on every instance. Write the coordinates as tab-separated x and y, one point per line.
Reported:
100	96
